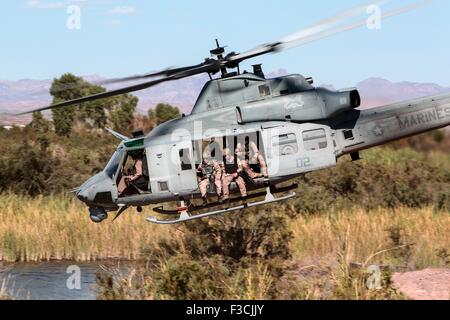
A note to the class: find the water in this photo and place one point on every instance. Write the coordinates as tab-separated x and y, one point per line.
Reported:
50	280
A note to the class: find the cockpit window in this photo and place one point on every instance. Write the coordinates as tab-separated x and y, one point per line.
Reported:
113	164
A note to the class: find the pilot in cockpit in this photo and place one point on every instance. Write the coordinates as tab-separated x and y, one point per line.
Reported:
137	172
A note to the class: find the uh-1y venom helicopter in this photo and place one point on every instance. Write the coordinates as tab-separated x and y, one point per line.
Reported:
296	127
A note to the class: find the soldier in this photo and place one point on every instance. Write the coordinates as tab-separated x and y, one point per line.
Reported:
243	158
255	156
251	155
207	171
232	170
138	172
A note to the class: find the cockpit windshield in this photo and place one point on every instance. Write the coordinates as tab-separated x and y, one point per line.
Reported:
113	164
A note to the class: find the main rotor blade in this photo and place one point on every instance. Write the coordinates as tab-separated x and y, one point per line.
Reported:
323	29
300	38
166	72
98	96
207	66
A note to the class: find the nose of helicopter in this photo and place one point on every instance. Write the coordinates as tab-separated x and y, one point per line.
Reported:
82	196
89	192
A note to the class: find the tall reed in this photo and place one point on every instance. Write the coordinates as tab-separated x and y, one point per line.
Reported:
423	232
59	228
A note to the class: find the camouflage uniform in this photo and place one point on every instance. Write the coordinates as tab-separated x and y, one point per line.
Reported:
254	156
125	181
206	171
232	169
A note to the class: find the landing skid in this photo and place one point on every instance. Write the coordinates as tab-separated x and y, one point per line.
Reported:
186	216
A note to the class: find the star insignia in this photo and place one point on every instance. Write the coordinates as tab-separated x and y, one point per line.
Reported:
378	131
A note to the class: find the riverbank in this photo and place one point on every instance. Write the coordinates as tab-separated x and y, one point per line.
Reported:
58	228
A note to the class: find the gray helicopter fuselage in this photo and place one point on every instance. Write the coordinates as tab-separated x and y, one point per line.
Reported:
300	129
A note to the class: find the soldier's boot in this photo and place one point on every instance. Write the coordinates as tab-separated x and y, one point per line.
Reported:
242	187
263	166
225	199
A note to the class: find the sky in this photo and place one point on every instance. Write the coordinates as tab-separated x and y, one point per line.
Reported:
119	38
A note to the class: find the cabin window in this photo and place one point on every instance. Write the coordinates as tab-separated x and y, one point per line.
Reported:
114	163
163	186
315	140
211	148
185	158
286	144
264	91
348	135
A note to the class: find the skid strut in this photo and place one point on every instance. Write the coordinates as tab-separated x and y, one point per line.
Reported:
186	216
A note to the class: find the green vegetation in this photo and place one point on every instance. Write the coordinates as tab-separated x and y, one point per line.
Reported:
116	112
261	254
265	255
389	209
385	178
48	157
163	113
33	164
58	228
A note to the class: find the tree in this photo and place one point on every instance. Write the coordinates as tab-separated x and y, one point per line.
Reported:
122	113
117	111
163	113
42	127
67	87
39	123
93	113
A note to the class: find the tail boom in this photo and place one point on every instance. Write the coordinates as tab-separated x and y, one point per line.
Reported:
363	129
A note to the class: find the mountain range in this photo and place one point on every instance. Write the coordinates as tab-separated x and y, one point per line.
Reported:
22	95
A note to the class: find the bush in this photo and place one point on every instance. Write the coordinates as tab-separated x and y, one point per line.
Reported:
254	234
372	185
184	278
35	163
237	256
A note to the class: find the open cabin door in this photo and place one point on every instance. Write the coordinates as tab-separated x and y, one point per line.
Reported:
183	175
131	171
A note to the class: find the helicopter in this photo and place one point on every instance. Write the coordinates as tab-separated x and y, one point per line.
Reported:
294	127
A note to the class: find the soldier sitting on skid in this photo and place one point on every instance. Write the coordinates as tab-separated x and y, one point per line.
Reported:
246	168
232	170
251	155
208	171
